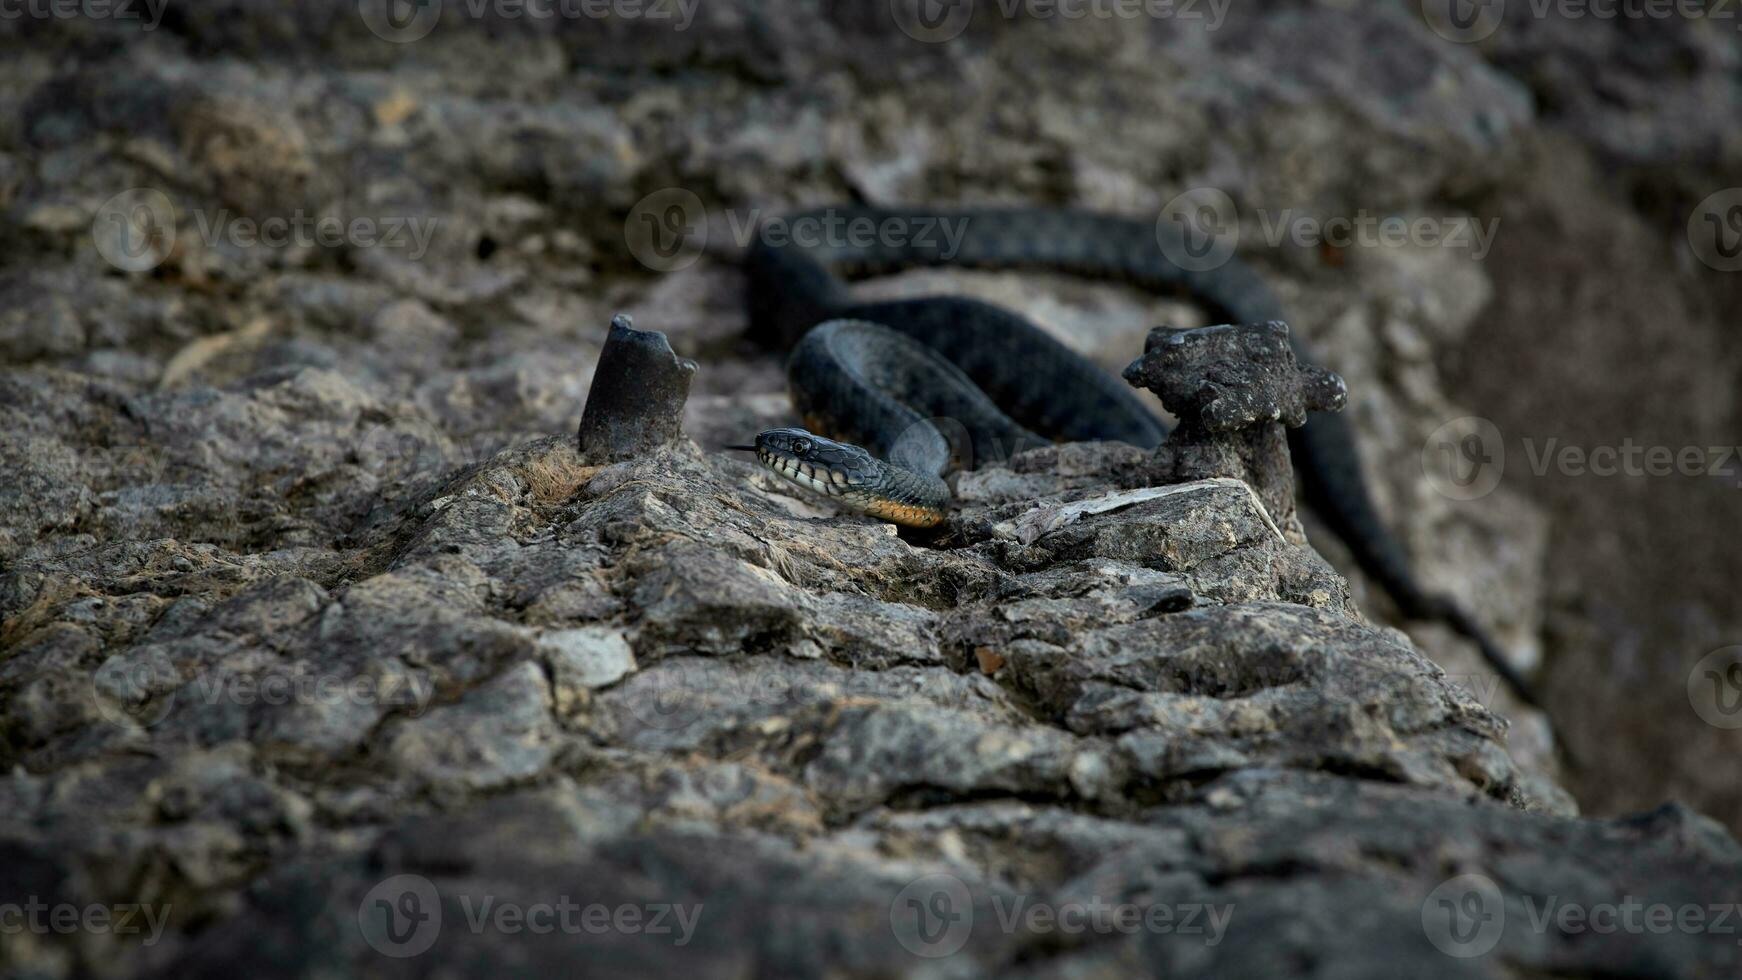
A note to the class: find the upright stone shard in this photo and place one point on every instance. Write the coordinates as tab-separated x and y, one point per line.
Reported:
638	394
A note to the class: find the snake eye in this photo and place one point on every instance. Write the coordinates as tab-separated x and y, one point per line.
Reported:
801	447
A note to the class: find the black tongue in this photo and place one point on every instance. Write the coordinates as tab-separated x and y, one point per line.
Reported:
748	449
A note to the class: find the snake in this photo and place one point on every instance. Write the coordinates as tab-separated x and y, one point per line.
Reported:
895	394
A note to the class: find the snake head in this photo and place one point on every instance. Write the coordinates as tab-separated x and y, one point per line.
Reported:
823	465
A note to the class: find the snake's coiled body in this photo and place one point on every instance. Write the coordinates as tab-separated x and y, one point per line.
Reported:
882	374
860	380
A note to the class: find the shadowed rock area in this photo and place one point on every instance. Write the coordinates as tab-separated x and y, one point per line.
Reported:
325	649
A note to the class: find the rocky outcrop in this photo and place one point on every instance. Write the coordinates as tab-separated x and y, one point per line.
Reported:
663	685
324	645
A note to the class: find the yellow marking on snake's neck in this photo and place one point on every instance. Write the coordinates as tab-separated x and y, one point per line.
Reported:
905	514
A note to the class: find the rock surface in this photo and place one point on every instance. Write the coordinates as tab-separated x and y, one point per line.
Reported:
656	685
322	642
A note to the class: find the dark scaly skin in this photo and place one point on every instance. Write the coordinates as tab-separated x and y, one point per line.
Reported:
877	389
905	493
1042	385
869	385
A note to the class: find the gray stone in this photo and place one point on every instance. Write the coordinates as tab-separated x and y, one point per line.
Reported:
587	657
307	584
635	405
